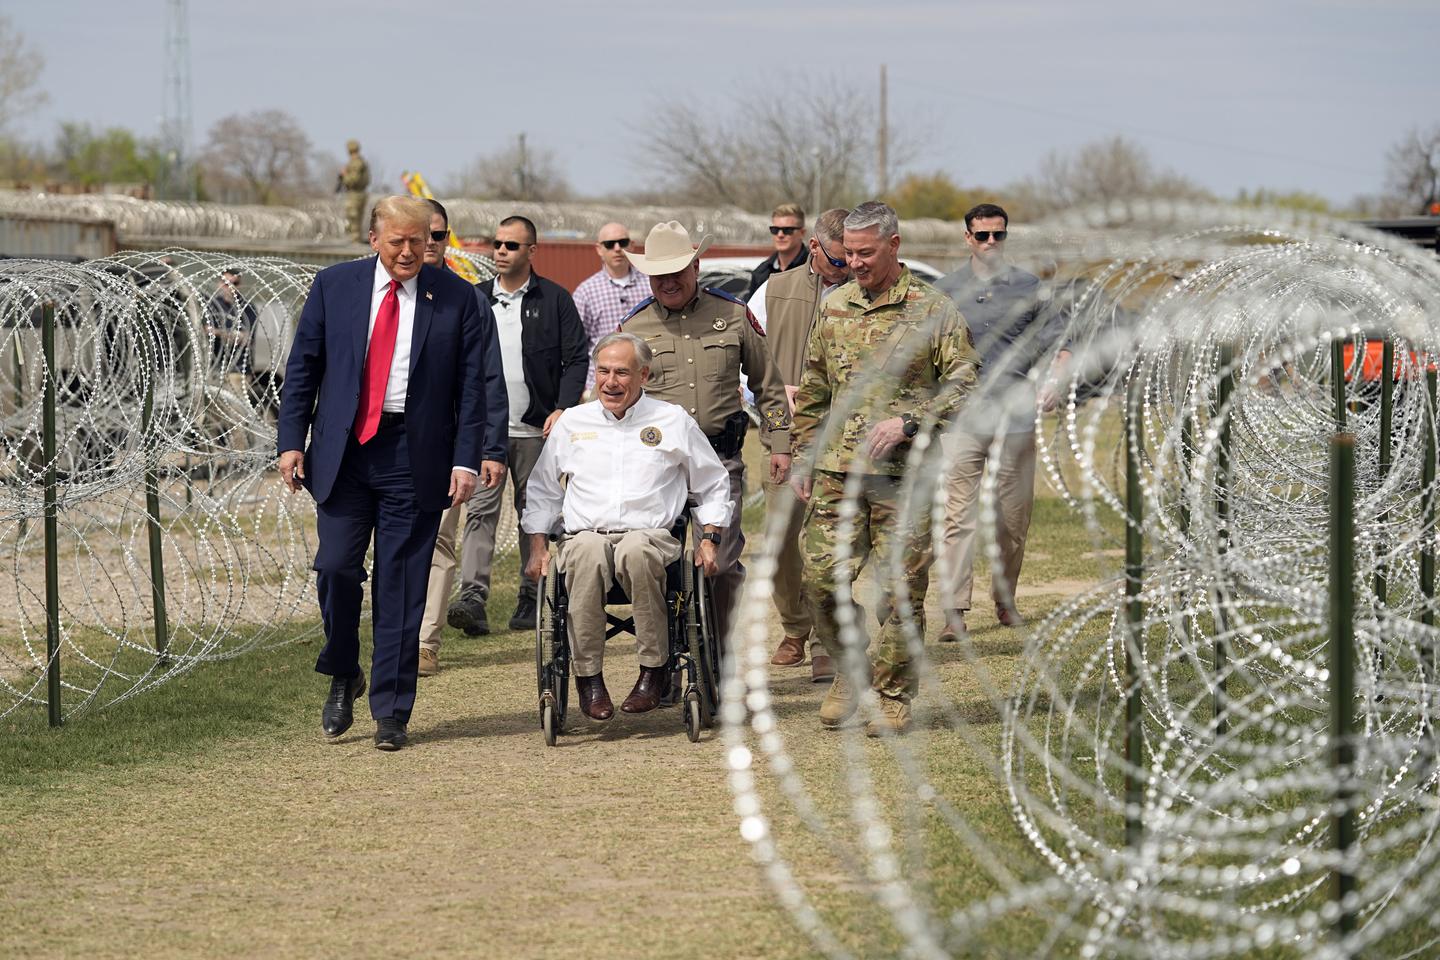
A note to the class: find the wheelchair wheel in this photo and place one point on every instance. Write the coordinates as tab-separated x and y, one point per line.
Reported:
552	657
703	643
692	716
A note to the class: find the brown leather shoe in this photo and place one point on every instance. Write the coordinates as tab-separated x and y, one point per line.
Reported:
429	662
594	698
954	631
1009	616
790	653
649	688
822	668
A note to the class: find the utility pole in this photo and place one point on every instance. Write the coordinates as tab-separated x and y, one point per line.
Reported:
882	173
178	177
521	171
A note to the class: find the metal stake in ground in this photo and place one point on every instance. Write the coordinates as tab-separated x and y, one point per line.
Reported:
1337	381
52	536
1427	502
1224	391
1134	614
1387	413
1342	670
152	510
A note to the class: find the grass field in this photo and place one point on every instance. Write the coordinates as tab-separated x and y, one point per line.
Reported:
210	818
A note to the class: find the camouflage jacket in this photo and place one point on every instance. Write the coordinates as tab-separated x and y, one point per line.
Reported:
908	351
356	175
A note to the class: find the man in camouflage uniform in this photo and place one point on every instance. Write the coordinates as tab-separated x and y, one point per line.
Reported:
354	178
893	356
701	340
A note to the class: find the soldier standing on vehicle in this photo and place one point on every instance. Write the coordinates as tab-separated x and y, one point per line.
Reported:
354	179
892	355
701	341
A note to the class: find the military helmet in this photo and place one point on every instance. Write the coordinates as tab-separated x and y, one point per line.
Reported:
352	145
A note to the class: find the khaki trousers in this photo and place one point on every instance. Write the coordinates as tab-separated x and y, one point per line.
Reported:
795	617
729	583
442	580
636	559
1014	502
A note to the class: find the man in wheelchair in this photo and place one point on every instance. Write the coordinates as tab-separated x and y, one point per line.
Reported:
610	483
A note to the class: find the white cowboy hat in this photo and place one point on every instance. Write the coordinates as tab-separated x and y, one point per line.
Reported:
667	250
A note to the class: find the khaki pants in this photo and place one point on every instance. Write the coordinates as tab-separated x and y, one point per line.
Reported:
729	583
635	559
876	533
1014	502
482	515
780	501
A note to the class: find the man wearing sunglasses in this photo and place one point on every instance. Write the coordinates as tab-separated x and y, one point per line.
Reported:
607	296
544	353
492	468
786	305
787	226
1013	328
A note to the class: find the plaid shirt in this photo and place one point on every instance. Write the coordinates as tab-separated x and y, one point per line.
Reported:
603	302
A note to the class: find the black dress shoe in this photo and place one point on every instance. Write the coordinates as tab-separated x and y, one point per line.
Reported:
390	734
650	688
339	710
594	698
524	618
469	616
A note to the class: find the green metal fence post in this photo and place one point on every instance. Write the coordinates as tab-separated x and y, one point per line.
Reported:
1342	668
1427	502
52	534
1224	391
1387	415
152	510
1134	615
1337	381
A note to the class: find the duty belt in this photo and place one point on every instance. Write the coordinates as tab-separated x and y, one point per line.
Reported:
731	438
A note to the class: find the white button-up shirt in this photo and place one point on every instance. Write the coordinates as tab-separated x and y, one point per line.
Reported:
399	382
625	474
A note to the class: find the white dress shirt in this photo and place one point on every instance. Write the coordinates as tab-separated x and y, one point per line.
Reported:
399	382
508	308
625	474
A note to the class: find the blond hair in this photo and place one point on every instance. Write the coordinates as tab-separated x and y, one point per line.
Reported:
788	210
401	211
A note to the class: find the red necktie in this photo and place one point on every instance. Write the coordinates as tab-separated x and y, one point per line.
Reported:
377	366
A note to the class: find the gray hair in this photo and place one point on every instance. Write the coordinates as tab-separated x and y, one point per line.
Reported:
873	213
643	354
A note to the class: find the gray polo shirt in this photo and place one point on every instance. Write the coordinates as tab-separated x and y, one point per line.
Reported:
1013	325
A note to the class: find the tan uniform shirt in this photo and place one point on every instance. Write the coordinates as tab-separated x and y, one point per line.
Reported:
699	353
792	302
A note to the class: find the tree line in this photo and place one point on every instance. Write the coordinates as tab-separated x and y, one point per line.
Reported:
803	147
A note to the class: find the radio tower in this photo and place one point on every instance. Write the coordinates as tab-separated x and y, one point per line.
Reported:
178	177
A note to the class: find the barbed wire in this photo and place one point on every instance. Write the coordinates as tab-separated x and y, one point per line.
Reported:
1219	324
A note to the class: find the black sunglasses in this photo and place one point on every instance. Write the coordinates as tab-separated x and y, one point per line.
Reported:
838	264
982	235
509	244
774	230
622	243
439	235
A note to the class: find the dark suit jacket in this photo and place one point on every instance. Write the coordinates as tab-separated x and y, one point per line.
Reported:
445	404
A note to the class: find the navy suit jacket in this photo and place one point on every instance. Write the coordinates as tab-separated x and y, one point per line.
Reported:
445	402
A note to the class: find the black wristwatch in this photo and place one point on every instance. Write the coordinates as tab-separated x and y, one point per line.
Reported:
710	535
909	426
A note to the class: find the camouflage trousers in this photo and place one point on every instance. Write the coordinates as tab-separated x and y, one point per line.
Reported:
355	224
875	533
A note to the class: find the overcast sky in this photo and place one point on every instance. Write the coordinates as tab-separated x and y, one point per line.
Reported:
1282	94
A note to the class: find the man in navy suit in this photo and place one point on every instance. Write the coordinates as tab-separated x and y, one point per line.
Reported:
386	375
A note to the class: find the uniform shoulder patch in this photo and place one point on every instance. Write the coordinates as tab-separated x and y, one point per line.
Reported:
638	307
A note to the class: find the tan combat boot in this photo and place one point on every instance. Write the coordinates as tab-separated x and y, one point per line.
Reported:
429	662
893	717
840	702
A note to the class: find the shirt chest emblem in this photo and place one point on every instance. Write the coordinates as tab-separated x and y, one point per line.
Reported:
581	435
718	325
651	436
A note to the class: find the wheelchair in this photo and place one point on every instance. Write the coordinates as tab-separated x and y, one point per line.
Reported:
694	648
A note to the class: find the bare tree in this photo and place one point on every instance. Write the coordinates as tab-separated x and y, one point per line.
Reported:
1102	172
521	171
1413	174
20	67
263	156
816	146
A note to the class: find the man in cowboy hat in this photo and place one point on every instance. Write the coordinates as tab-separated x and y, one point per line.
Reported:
701	340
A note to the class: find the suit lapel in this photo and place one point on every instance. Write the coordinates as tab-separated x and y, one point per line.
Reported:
360	332
424	310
